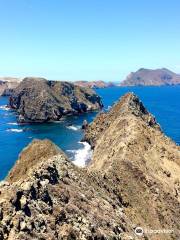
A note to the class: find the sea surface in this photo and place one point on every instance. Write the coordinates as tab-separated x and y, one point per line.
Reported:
162	102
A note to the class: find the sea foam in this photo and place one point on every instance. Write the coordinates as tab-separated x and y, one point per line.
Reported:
73	127
14	130
83	155
5	108
12	123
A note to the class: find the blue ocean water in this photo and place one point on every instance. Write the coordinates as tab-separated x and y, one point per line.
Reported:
162	102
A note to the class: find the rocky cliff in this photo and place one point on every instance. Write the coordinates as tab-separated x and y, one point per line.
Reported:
142	163
133	180
7	85
39	100
149	77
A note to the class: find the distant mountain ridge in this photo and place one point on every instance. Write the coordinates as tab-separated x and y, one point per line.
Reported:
150	77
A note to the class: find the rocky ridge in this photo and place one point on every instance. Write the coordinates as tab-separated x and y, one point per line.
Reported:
40	100
132	180
143	164
57	200
150	77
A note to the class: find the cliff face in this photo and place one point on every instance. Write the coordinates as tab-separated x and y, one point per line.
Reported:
7	85
39	100
133	180
149	77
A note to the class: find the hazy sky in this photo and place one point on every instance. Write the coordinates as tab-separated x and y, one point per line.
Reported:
88	39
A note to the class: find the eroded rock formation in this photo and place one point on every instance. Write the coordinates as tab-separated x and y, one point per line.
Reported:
39	100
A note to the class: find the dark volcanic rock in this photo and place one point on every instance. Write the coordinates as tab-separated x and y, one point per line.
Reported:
85	124
39	100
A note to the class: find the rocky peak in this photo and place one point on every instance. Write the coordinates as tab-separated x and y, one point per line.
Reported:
129	106
142	163
35	153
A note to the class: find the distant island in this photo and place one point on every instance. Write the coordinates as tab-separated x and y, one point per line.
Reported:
150	77
94	84
142	77
7	84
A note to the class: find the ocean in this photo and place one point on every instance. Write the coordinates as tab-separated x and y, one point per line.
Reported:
162	102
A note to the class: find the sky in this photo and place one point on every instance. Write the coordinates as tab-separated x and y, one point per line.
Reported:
88	39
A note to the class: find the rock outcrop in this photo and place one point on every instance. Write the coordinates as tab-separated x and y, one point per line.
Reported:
54	199
7	85
149	77
142	163
39	100
132	181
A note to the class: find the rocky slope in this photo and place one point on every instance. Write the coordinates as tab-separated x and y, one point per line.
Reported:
7	85
133	180
149	77
94	84
142	163
54	199
39	100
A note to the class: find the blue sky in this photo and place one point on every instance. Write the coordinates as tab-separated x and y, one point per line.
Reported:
88	39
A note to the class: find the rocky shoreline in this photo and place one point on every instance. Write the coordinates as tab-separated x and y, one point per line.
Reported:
133	180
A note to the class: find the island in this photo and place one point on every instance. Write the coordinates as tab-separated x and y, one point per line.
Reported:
40	100
150	77
95	84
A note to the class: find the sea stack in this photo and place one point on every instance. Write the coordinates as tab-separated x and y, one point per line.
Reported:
132	182
40	100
